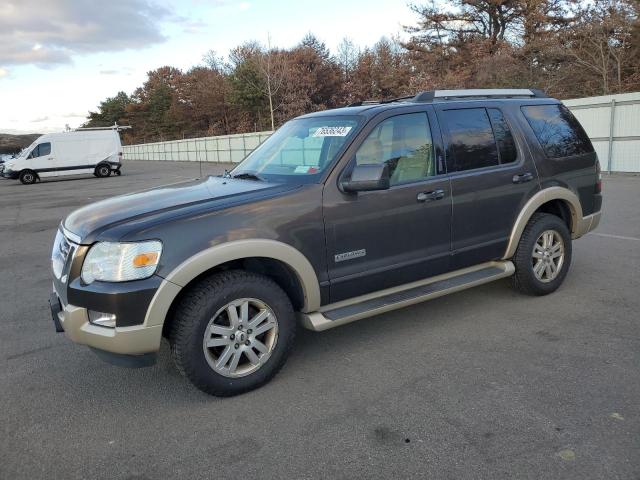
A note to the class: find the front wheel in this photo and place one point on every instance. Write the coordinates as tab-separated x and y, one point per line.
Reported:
543	255
232	332
27	177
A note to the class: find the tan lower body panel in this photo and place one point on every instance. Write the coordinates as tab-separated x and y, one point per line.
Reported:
364	306
586	224
125	340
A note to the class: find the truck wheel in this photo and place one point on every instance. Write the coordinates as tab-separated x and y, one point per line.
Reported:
102	171
27	177
543	255
232	332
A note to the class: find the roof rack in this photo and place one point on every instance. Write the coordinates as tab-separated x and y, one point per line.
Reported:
431	95
115	126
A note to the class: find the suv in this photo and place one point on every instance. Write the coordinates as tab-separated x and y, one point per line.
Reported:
338	216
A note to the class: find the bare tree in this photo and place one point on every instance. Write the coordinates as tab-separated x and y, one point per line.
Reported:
599	42
347	57
272	68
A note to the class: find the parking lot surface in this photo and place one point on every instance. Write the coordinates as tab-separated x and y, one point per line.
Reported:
485	383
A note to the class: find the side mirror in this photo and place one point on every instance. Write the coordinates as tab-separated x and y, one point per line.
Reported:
365	178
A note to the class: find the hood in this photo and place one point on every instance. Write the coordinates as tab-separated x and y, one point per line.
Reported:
216	192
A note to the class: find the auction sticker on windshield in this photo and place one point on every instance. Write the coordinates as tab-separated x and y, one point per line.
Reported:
332	132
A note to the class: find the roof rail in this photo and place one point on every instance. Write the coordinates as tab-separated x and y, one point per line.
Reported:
115	126
363	102
378	102
430	96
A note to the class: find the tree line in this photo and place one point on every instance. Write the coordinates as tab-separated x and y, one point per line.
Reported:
568	48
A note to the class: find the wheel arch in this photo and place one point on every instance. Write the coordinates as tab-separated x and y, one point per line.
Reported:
559	201
287	266
100	164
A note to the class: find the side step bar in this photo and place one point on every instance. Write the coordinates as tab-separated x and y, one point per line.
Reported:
364	306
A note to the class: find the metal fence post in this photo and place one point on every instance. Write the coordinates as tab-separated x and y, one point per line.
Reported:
611	131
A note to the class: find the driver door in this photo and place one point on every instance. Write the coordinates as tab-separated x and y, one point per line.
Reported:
42	160
385	238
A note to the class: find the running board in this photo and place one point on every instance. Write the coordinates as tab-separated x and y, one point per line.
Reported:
336	314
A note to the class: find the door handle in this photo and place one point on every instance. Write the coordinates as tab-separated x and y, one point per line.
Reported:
430	196
522	178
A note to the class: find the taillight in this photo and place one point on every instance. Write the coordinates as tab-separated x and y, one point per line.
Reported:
599	177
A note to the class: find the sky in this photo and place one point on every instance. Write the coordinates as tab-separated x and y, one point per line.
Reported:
60	58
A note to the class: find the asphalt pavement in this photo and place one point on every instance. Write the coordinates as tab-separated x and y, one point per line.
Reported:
485	383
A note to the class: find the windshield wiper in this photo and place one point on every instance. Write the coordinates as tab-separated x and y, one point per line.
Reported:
248	176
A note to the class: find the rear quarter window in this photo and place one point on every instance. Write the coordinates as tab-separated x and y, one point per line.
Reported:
557	130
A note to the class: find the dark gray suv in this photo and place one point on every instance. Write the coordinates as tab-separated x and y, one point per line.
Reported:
338	216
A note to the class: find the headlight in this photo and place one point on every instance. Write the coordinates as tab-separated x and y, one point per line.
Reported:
121	262
8	166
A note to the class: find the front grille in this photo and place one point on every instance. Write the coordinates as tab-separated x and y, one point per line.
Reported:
61	254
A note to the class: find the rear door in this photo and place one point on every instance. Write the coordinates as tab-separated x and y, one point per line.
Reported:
385	238
42	160
492	176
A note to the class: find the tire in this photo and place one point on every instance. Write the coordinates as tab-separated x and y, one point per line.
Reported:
102	170
28	177
542	271
208	305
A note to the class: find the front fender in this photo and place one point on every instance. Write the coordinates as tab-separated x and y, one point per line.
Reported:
207	259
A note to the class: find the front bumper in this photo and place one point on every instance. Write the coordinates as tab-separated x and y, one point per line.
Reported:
10	174
136	340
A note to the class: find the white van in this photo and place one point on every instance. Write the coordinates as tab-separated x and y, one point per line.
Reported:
81	151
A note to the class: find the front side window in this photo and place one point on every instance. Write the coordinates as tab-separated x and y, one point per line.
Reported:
557	130
41	150
300	150
404	143
45	149
471	141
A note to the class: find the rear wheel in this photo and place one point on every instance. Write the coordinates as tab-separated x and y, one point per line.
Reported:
232	332
102	170
27	177
543	256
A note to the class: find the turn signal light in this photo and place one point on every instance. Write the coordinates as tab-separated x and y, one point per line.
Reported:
145	259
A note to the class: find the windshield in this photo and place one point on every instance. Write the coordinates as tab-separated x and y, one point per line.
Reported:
299	151
24	151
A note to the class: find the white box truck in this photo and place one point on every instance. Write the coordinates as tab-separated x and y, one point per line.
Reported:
76	152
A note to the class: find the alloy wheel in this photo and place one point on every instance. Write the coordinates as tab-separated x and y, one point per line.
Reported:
547	257
240	337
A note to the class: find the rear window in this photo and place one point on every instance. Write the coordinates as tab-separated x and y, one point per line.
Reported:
557	130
